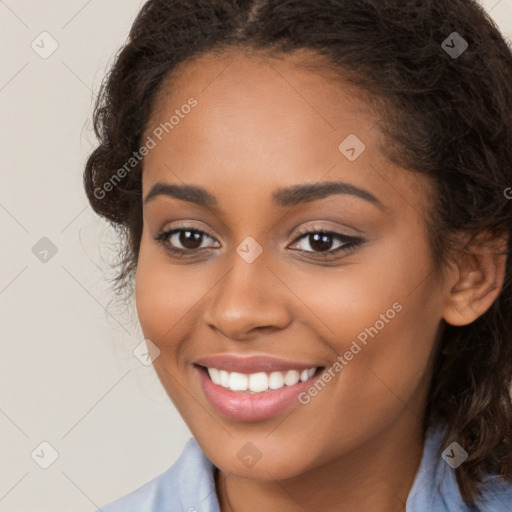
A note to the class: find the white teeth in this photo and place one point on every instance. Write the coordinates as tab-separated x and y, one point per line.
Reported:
224	378
214	375
258	382
276	380
238	381
291	378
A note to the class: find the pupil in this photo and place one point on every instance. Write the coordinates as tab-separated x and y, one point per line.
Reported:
320	241
190	243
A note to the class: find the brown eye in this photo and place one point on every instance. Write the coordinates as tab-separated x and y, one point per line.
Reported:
183	240
190	239
320	241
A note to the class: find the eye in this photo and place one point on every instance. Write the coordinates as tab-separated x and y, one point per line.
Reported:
320	242
190	238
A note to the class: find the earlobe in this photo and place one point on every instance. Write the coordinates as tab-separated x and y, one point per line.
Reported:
477	281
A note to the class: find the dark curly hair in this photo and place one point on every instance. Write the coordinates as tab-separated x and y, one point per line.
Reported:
445	116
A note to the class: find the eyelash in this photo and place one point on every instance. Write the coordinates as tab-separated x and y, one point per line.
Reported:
350	242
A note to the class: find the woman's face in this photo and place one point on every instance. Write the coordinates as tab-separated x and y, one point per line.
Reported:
357	297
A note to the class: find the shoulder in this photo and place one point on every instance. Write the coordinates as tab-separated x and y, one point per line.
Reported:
496	494
435	486
188	485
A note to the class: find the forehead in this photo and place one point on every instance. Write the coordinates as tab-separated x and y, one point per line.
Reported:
302	83
263	120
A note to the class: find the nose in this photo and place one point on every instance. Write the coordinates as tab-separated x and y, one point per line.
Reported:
249	299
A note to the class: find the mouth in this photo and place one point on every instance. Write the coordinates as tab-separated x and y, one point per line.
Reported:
261	389
258	382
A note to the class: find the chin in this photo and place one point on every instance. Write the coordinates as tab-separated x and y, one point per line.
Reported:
244	459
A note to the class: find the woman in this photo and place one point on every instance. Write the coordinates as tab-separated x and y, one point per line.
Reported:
316	224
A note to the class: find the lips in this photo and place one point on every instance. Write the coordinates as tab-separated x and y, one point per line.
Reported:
254	364
248	405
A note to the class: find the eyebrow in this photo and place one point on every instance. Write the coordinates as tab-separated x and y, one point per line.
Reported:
289	196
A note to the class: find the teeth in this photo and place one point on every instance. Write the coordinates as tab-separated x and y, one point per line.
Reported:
224	378
291	378
276	380
258	382
238	381
214	375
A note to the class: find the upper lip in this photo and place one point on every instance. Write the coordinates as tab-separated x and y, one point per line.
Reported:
253	364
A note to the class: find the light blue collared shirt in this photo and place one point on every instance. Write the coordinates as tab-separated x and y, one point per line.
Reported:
189	486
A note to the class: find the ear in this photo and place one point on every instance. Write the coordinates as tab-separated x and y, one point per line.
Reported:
476	279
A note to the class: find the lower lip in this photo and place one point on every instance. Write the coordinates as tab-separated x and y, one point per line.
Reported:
243	406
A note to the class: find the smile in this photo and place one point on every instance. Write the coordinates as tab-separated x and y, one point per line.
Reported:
252	389
258	382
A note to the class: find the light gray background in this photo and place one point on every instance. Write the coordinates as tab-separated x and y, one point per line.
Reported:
67	372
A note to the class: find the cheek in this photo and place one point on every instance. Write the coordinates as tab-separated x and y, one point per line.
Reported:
390	274
382	317
165	295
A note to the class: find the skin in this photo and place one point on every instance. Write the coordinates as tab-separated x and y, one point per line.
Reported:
262	124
